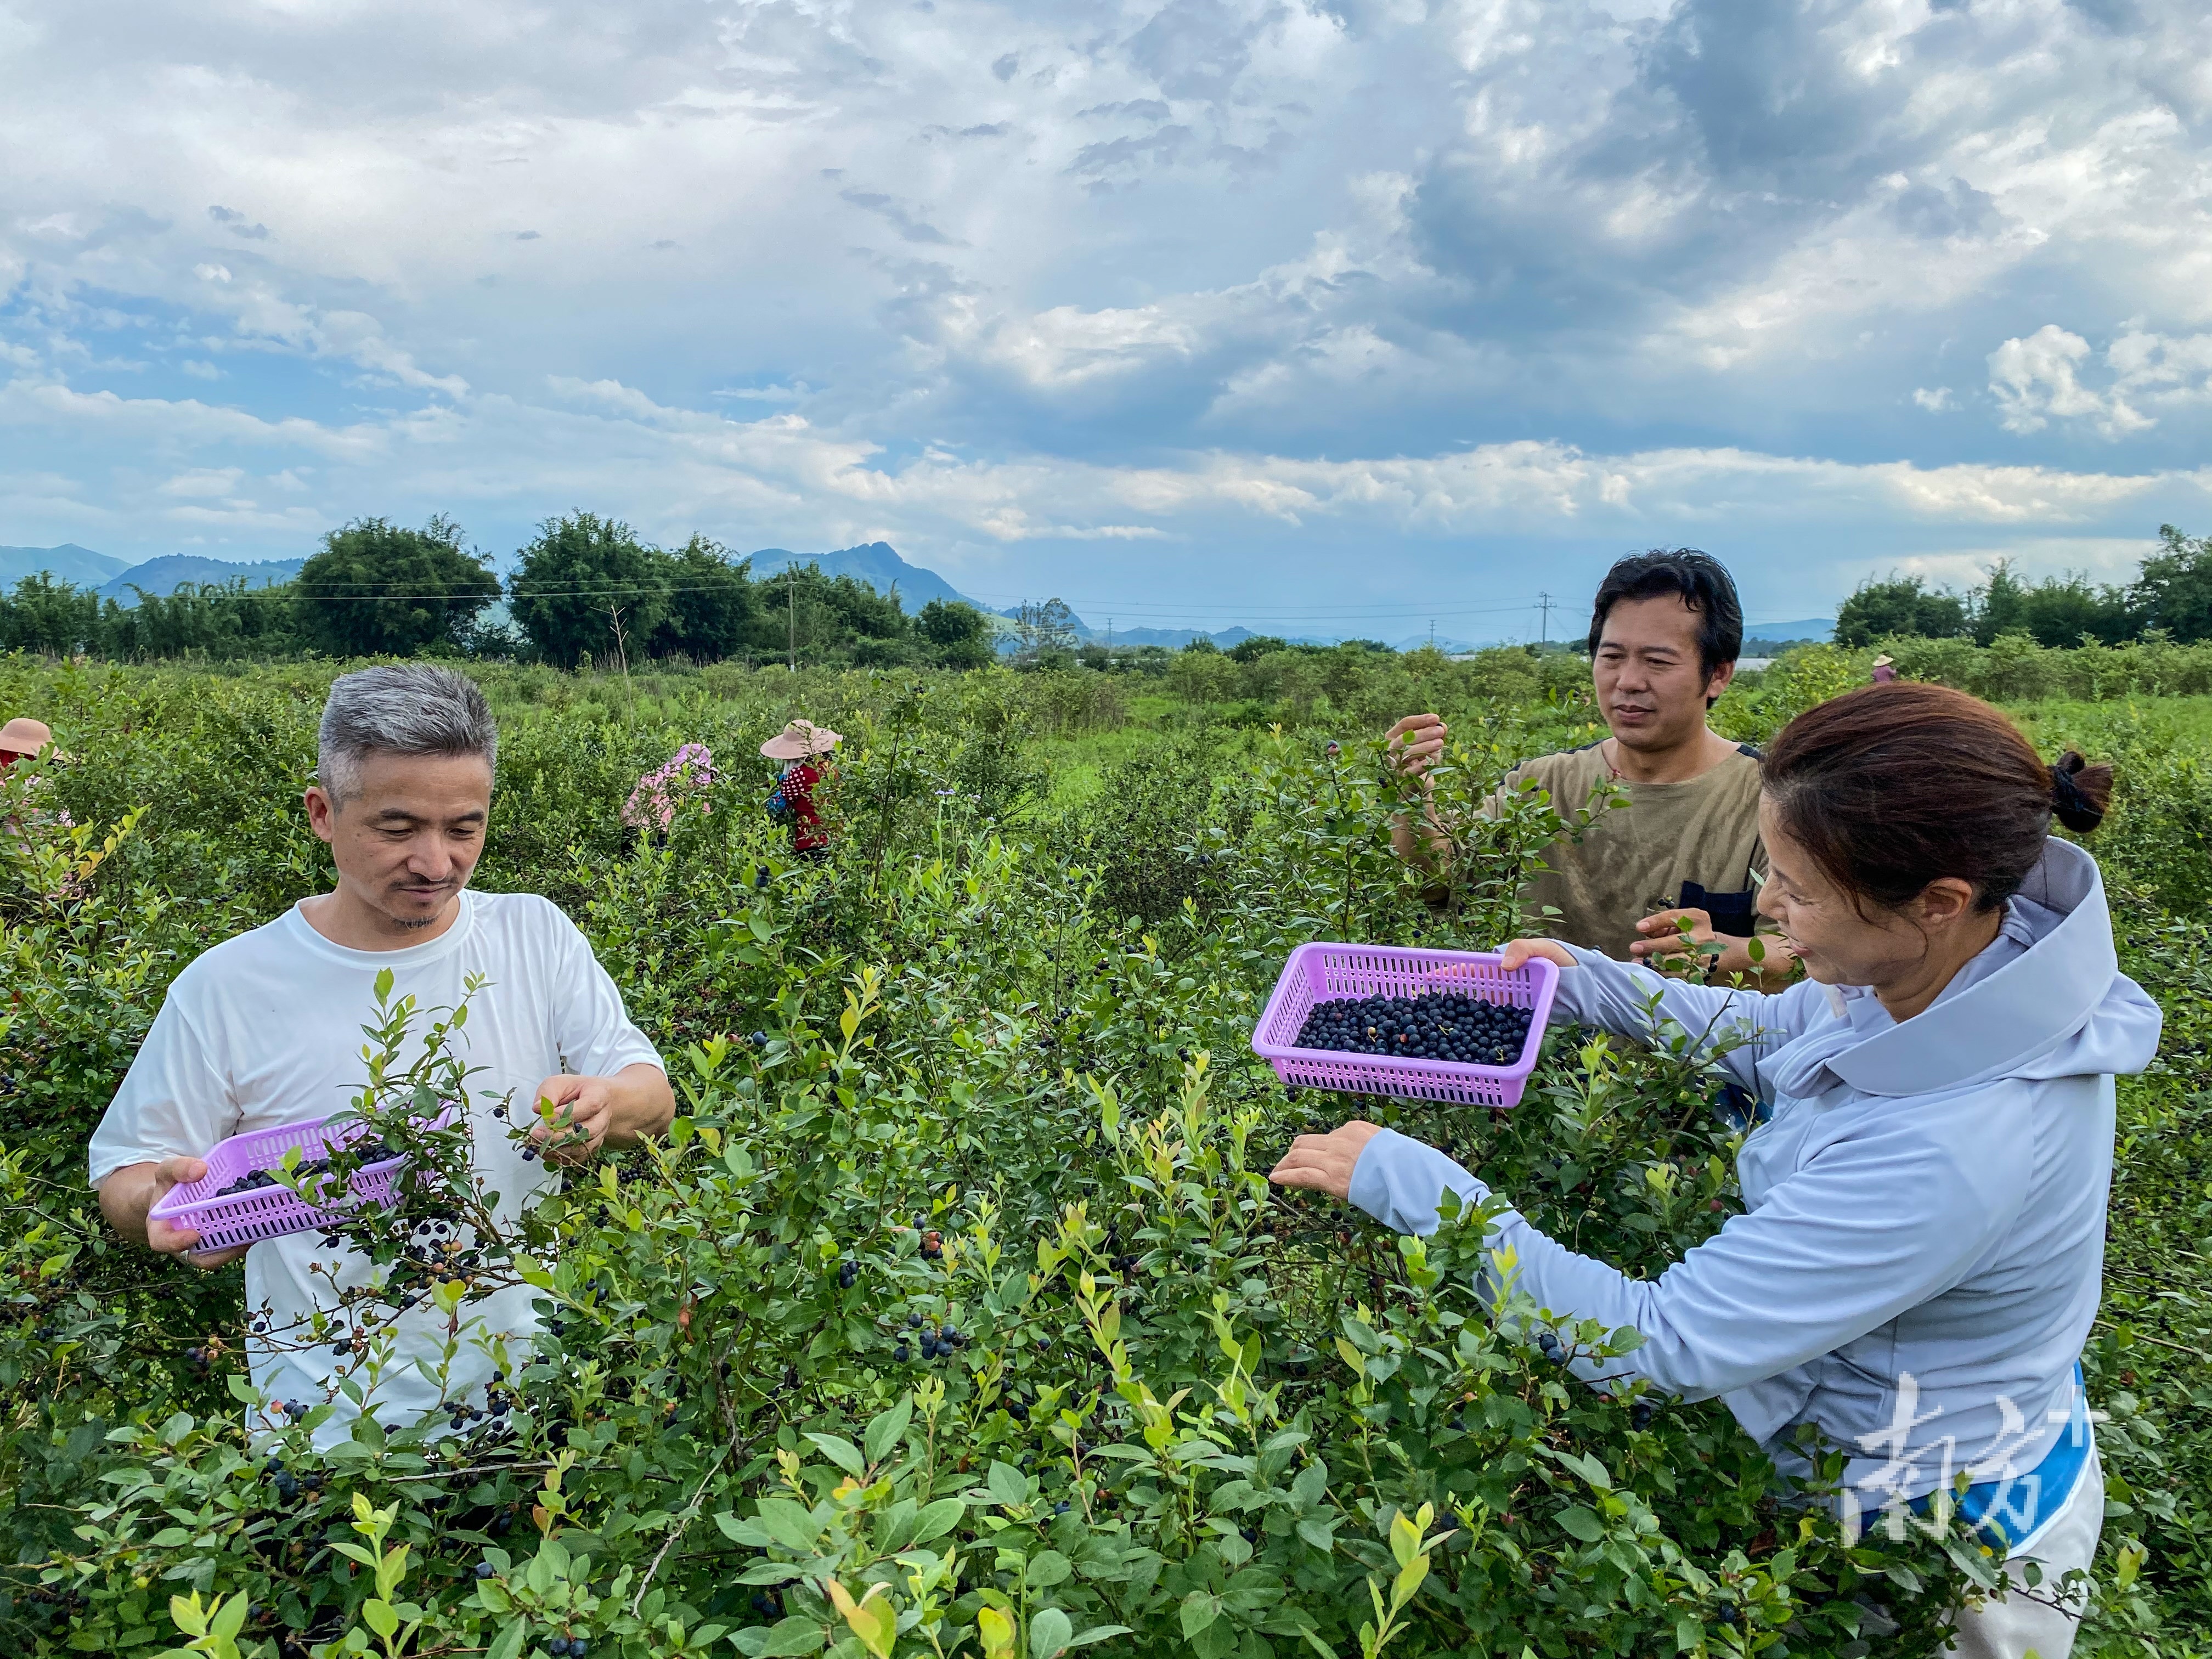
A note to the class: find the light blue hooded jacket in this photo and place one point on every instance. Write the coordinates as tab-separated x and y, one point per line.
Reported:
1919	1260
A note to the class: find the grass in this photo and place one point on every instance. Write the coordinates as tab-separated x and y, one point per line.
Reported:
2058	722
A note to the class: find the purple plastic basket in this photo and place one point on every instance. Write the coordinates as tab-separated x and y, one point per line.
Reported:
270	1211
1330	973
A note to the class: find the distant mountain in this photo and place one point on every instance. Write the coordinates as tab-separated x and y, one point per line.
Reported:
1173	638
115	578
172	571
878	564
79	566
1807	628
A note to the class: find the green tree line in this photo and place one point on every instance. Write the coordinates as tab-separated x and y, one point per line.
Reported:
2170	597
585	589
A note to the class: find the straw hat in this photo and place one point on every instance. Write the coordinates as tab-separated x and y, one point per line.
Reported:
1883	660
799	739
25	736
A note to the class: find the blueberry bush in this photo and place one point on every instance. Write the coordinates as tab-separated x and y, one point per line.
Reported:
954	1315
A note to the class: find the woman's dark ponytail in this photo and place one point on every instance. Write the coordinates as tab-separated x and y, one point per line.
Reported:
2080	793
1889	787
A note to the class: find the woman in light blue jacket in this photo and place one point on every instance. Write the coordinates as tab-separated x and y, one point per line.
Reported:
1918	1262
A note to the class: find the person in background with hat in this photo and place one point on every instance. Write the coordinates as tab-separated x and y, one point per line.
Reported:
1885	670
23	738
802	747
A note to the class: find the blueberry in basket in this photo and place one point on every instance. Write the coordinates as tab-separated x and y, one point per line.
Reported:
1443	1025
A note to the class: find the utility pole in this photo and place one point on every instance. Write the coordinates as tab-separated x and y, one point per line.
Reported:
790	598
1432	633
1544	602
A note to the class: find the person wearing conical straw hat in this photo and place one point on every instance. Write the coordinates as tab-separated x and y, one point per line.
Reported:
23	738
1885	669
803	748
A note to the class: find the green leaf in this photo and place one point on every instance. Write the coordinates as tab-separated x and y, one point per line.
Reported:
1048	1569
230	1618
873	1620
1405	1539
241	1391
510	1638
937	1519
1237	1494
766	1572
843	1453
382	1618
1688	1632
1006	1486
1590	1469
888	1428
1050	1632
2128	1563
1582	1523
788	1524
794	1635
895	1527
1408	1581
1100	1632
1200	1609
1321	1534
747	1532
1251	1590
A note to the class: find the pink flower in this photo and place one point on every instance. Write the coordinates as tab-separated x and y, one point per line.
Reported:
653	804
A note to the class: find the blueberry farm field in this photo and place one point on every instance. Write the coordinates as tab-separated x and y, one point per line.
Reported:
955	1315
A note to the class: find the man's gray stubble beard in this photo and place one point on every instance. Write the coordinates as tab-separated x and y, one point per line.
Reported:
414	923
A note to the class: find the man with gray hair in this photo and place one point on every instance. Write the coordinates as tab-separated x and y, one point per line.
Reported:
264	1030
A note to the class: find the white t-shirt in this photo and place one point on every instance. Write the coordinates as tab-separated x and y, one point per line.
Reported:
265	1030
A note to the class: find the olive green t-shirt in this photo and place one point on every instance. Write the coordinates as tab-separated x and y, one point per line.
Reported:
1693	844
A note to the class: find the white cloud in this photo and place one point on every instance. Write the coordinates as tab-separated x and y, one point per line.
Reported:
2101	558
203	481
2038	379
1233	276
2162	372
601	431
101	420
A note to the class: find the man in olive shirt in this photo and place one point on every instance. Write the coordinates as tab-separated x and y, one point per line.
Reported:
1665	633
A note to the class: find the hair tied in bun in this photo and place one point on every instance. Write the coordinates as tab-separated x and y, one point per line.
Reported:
2080	792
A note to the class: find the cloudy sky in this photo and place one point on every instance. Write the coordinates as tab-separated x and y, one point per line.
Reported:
1274	311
